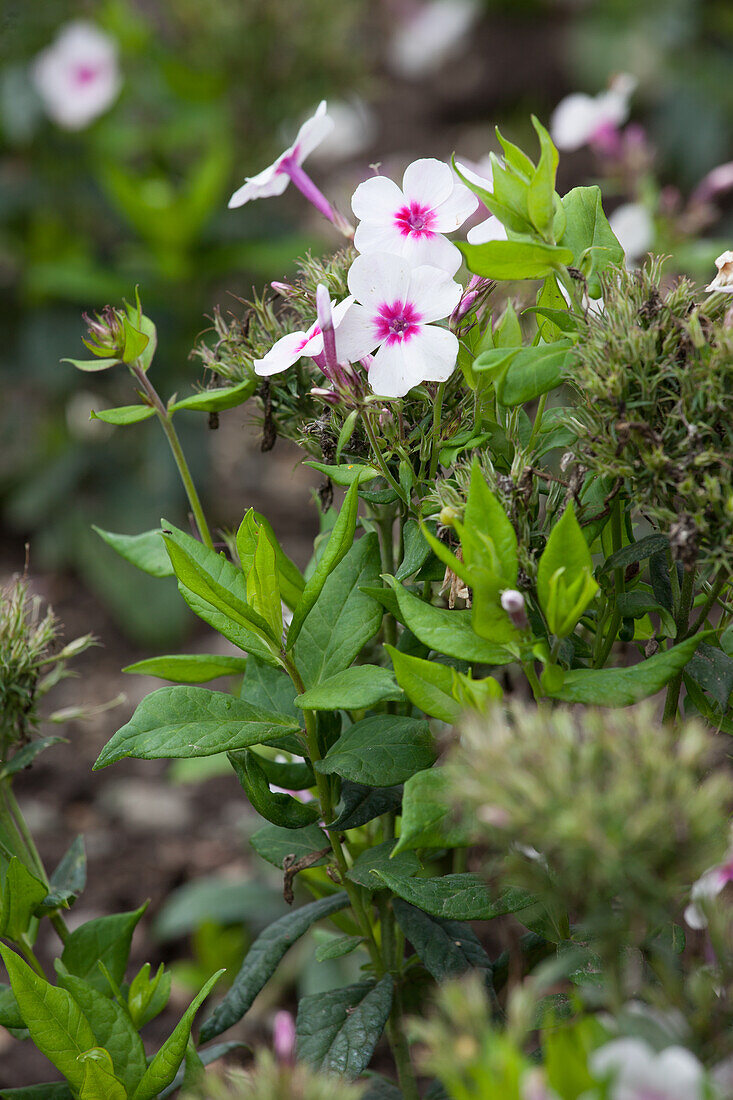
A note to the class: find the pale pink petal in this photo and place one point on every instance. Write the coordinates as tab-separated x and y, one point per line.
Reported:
372	236
389	374
433	292
430	355
481	178
377	199
435	251
313	131
339	311
356	335
490	230
265	184
574	121
379	277
286	352
451	214
428	181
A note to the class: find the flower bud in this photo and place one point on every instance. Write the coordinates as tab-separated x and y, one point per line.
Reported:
448	516
283	1036
513	603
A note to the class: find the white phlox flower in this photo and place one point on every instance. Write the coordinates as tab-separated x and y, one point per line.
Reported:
295	345
580	119
430	35
724	277
411	221
396	307
77	76
637	1072
707	887
634	228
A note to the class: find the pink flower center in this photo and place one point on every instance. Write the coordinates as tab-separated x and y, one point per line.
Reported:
85	74
415	220
397	322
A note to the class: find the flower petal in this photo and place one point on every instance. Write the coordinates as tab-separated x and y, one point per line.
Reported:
428	181
379	277
313	131
678	1074
435	251
489	230
286	352
389	374
356	335
372	236
377	199
451	214
574	121
433	293
430	355
264	185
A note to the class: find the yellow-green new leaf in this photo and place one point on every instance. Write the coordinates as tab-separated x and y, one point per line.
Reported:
565	583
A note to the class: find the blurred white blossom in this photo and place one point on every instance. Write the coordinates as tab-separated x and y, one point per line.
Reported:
637	1072
77	76
633	225
580	119
428	37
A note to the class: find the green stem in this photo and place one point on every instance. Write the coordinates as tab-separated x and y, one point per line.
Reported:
166	422
707	606
435	436
381	462
537	421
683	618
59	924
619	584
534	683
15	817
30	957
401	1049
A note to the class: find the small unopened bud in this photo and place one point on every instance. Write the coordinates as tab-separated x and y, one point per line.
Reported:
325	320
513	603
385	417
283	1037
475	289
323	394
448	516
282	288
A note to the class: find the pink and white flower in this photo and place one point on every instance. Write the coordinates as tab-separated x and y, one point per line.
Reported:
396	307
707	887
430	35
581	119
411	221
289	167
295	345
638	1073
77	76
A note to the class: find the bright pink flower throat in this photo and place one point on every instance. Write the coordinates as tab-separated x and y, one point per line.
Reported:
415	220
397	323
85	74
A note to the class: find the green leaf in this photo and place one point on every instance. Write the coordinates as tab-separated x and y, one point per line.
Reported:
274	843
447	948
190	668
347	473
211	1054
360	804
263	590
712	670
262	960
487	534
216	581
620	687
103	940
456	897
147	997
565	584
146	551
447	632
541	194
216	400
125	414
380	751
338	545
355	688
68	880
281	809
532	372
417	550
182	722
57	1025
10	1016
294	776
635	551
270	689
99	1077
135	341
589	236
382	857
335	947
290	578
113	1029
509	260
242	637
164	1066
344	619
427	684
637	604
337	1031
22	894
24	757
91	365
428	815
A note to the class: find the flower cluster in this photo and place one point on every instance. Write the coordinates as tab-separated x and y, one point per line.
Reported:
401	282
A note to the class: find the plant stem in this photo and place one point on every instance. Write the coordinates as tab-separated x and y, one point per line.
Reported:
381	462
435	446
401	1049
537	421
707	606
166	422
30	957
534	683
618	584
16	819
59	924
683	618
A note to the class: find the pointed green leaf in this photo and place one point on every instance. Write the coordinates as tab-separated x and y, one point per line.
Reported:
189	668
427	684
429	818
182	722
565	584
22	894
541	194
216	400
92	365
447	948
263	590
510	260
125	414
359	804
355	688
24	757
456	897
337	1031
335	947
262	960
532	372
103	940
274	843
346	473
146	551
380	751
382	857
279	808
99	1077
588	234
